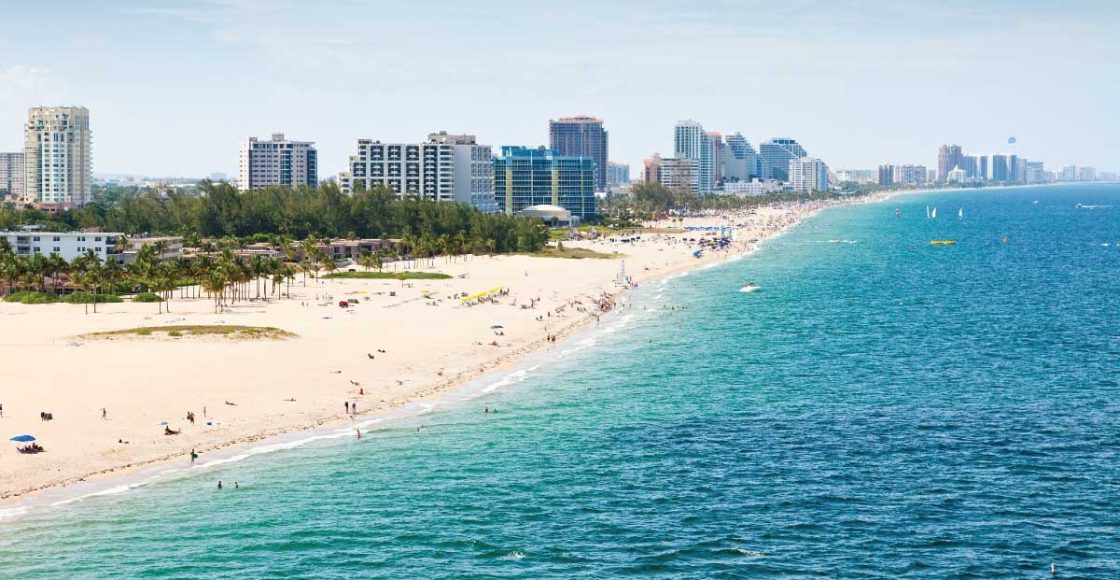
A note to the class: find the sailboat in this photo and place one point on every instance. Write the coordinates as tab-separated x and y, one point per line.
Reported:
927	212
934	214
960	212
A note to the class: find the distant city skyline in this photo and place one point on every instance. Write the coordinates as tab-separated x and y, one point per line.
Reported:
202	75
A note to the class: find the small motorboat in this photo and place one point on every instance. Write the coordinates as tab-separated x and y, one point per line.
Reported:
943	243
748	287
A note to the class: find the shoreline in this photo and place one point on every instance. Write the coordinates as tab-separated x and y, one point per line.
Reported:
124	476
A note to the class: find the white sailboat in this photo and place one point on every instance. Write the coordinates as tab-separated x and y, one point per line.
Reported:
960	212
927	212
934	214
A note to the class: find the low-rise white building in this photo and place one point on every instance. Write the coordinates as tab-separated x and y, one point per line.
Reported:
752	188
68	245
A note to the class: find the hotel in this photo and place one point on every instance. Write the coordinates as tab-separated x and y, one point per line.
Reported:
775	156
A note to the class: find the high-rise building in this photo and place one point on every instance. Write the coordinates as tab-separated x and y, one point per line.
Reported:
1014	169
277	162
58	164
948	157
1034	172
983	168
969	165
886	175
1001	171
582	137
524	177
617	174
446	168
11	175
739	159
1086	174
690	141
775	156
910	174
808	175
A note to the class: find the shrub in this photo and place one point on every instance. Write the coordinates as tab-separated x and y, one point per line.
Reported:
174	334
144	332
147	297
87	297
30	297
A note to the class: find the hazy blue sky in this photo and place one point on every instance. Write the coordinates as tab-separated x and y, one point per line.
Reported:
175	85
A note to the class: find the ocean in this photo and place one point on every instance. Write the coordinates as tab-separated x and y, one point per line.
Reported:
880	407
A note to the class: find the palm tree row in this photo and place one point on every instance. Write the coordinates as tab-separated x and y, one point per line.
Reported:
223	276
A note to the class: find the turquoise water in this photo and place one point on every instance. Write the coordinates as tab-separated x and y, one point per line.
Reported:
882	408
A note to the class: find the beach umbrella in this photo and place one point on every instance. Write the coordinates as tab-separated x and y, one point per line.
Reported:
162	423
23	438
497	327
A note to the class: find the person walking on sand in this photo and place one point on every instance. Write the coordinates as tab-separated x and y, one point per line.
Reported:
346	406
194	456
103	413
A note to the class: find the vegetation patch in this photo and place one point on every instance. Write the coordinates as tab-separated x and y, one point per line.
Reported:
88	297
29	297
32	297
231	332
389	275
561	251
147	297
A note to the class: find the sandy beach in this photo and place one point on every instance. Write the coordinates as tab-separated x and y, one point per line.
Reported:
386	351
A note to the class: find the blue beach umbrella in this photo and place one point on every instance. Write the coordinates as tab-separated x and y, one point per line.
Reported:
23	438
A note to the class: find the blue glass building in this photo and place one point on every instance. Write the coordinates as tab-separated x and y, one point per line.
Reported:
524	177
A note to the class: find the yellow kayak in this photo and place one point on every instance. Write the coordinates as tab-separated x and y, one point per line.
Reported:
944	242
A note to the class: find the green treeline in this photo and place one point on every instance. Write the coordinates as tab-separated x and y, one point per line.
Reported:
221	211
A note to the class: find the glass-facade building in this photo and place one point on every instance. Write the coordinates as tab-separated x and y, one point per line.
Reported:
775	155
524	177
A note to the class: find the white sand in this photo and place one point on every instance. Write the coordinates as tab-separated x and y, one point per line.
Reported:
145	380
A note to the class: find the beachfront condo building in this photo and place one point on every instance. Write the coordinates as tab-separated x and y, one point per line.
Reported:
57	159
739	160
690	141
277	162
679	174
447	167
948	158
68	245
775	155
11	175
582	136
808	175
525	177
902	174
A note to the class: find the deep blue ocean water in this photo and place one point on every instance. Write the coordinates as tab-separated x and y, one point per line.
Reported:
883	408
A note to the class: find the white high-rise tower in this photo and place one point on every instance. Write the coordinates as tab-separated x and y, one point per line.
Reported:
57	160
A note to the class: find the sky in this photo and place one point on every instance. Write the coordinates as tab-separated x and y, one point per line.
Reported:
173	86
